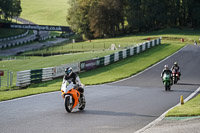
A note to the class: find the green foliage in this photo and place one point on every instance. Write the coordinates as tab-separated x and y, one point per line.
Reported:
101	18
10	9
10	32
77	17
94	18
105	17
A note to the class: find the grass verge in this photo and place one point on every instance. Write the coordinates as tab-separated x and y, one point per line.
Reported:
4	32
31	63
45	12
102	75
169	35
190	108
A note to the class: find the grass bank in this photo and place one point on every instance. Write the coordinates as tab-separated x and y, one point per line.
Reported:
130	66
169	36
190	108
31	63
101	75
4	32
45	12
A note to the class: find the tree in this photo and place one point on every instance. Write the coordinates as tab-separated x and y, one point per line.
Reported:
10	9
105	17
97	18
78	17
194	12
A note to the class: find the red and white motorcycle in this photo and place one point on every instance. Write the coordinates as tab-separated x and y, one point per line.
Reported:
175	76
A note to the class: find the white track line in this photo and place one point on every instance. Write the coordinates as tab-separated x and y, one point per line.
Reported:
25	97
163	115
150	125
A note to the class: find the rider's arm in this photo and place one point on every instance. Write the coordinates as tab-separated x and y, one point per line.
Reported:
172	68
78	80
161	75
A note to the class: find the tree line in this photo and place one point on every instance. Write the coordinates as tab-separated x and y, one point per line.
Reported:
101	18
9	9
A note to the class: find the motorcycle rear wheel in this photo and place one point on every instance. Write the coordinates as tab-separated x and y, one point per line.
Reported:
83	104
68	105
174	80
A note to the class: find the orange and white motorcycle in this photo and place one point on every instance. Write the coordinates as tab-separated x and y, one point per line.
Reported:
71	96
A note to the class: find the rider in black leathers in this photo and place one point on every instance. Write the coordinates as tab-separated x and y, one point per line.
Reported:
73	77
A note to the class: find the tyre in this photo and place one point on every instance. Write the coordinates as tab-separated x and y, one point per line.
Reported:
169	87
174	80
82	107
83	103
166	87
68	104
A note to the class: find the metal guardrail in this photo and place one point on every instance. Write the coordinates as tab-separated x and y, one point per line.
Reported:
14	37
6	78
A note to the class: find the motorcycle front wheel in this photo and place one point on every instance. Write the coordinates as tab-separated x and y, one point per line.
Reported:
166	87
68	104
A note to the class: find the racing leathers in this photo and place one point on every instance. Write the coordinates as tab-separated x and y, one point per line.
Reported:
176	69
168	72
73	77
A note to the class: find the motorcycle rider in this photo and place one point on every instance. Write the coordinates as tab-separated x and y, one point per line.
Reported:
73	77
168	71
176	68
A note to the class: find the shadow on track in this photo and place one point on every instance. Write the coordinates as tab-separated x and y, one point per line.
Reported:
188	84
184	91
110	113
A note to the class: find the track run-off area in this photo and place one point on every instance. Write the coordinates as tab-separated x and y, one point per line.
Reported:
123	106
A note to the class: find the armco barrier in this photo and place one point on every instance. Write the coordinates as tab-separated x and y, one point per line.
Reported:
16	43
28	77
14	37
21	42
125	53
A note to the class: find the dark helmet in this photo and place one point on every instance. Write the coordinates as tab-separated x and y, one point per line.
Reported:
68	71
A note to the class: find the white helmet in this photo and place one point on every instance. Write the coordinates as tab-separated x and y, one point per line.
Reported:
166	67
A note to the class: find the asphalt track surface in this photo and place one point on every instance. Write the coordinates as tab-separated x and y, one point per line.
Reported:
125	106
29	47
14	51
